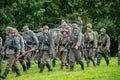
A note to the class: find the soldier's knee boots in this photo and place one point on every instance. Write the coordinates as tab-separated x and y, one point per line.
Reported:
71	68
0	70
53	62
17	72
107	62
28	65
49	67
38	64
82	66
4	74
42	67
24	68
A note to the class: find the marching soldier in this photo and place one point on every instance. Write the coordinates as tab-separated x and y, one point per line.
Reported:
80	23
103	46
56	42
22	49
12	51
90	45
31	42
63	48
75	54
119	49
47	48
40	32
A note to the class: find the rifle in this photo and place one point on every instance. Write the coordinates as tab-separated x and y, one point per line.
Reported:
33	49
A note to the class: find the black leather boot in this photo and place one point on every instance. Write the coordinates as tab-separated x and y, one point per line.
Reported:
42	67
24	68
71	68
5	74
49	67
17	72
38	64
53	63
82	66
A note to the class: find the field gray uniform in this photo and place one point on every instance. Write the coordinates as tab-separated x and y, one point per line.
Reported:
57	35
47	49
31	41
39	48
103	47
90	43
11	48
63	50
75	55
22	51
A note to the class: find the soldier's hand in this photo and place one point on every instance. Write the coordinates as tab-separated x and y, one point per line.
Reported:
94	49
50	53
17	55
76	47
23	53
3	53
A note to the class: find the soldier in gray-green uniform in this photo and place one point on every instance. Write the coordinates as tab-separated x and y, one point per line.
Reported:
31	41
90	44
40	32
22	49
119	49
1	57
47	48
103	46
57	35
63	48
80	23
75	54
12	51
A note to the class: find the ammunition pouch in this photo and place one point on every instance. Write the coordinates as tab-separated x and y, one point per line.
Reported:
46	43
31	43
103	50
89	44
62	48
45	46
12	48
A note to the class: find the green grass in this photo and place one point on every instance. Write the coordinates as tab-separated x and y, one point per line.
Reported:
102	72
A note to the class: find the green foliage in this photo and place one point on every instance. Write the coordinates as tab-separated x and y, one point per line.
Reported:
35	13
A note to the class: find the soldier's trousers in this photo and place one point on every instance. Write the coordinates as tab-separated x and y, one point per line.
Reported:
99	57
45	56
28	60
118	57
11	62
63	56
75	55
89	55
39	58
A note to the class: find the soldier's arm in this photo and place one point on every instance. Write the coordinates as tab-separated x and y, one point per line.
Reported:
5	45
22	44
17	45
79	42
35	39
95	41
52	45
107	43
